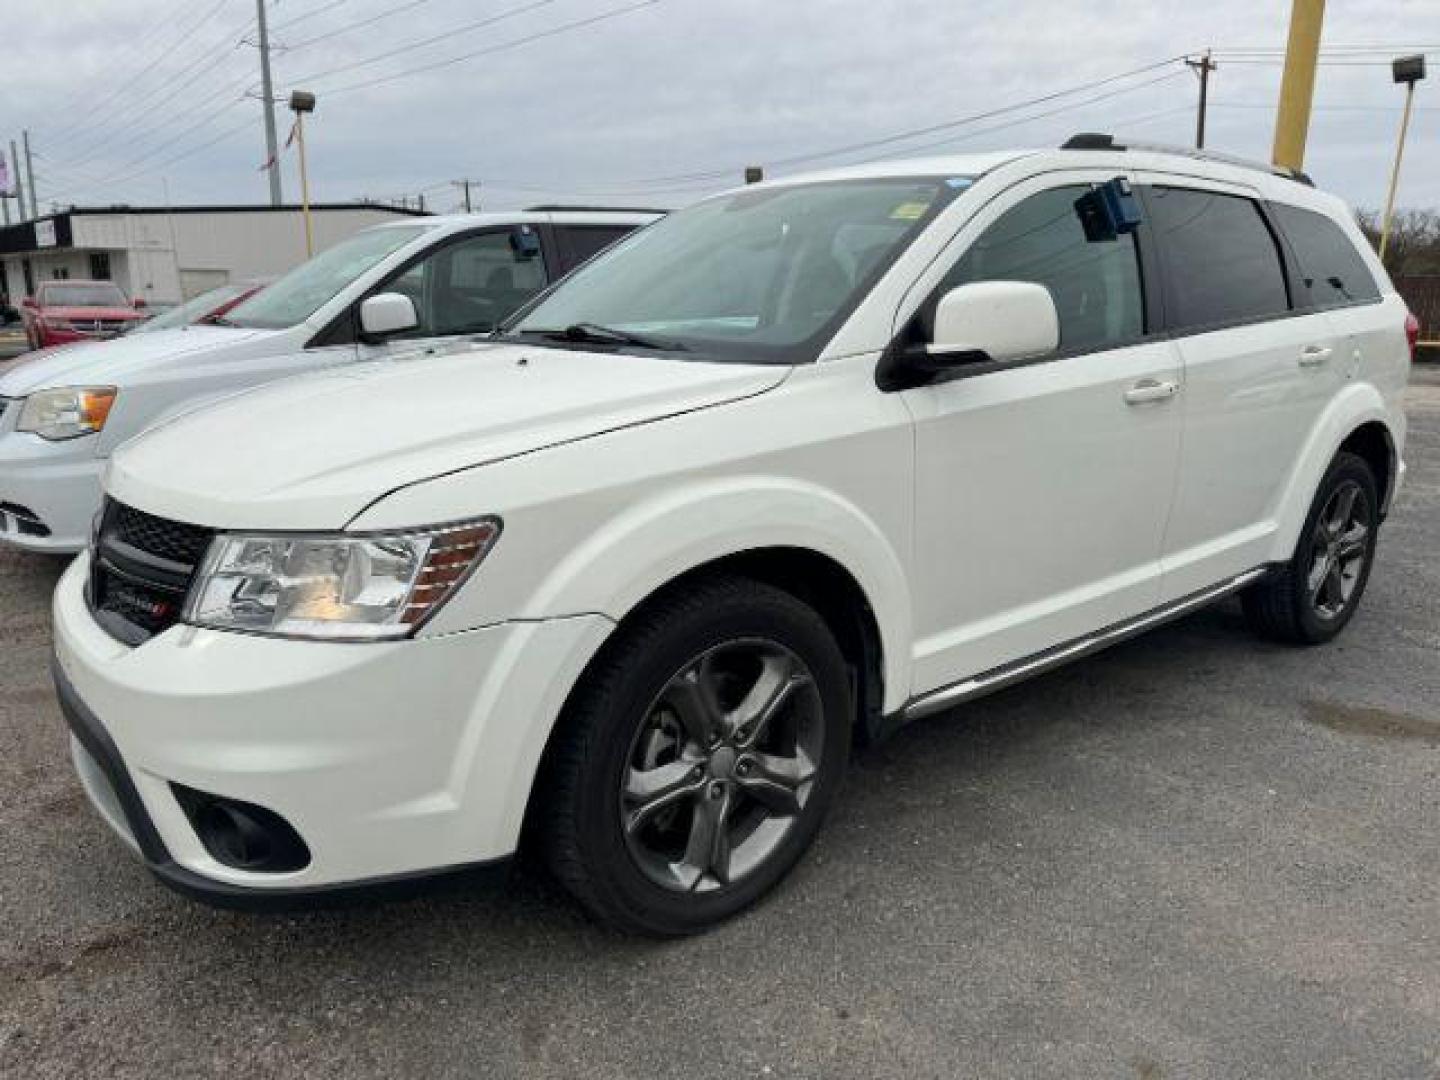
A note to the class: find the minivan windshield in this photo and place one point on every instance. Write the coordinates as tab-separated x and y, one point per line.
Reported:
193	309
757	276
300	293
98	294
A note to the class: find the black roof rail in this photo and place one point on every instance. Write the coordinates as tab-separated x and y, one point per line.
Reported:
564	208
1099	140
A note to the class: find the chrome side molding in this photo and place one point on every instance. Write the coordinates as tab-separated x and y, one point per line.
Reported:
987	682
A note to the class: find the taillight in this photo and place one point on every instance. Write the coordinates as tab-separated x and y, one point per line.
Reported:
1412	333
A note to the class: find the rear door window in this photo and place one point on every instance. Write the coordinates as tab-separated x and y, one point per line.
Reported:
1332	273
1222	264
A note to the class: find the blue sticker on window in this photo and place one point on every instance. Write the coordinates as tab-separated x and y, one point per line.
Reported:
959	183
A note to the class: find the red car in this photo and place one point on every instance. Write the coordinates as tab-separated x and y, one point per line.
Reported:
62	312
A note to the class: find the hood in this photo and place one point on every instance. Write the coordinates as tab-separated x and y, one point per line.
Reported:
89	314
311	452
107	363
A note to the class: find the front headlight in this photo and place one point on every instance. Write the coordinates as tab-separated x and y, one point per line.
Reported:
67	412
335	586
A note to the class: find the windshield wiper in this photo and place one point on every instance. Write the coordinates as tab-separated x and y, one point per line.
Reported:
594	332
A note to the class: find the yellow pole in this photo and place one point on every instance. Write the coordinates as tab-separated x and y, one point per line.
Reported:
1297	87
304	184
1395	170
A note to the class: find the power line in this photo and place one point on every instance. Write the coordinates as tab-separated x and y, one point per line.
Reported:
931	129
308	15
154	100
1323	108
349	27
489	20
700	180
168	123
228	133
95	111
527	39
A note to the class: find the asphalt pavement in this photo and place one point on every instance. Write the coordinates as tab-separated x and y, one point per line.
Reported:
1195	855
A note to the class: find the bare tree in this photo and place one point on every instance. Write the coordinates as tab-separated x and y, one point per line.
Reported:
1414	247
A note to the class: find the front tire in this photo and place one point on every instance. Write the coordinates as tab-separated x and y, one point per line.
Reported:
697	758
1315	595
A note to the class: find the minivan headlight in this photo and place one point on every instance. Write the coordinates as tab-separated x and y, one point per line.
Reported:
335	587
67	412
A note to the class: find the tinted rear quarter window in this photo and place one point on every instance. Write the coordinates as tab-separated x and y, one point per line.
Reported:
1332	273
1221	262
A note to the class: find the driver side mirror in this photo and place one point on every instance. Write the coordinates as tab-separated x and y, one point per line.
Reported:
28	302
139	303
386	314
992	321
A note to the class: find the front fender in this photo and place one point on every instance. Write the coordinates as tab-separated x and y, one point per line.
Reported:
557	562
1357	404
625	561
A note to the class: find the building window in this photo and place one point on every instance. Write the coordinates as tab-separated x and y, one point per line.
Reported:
100	265
61	273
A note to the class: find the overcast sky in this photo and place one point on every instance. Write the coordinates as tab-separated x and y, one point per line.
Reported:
125	97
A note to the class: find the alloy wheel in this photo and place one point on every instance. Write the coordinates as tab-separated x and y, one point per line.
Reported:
722	765
1339	545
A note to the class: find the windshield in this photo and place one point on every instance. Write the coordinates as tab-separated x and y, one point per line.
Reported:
755	276
96	295
193	309
301	292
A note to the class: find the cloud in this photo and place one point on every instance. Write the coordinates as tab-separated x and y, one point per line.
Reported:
676	88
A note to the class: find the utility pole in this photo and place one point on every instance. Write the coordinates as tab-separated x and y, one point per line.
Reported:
30	175
1202	67
19	183
420	200
464	185
267	96
1297	85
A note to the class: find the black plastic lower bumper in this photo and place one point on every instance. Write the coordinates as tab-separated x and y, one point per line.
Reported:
91	734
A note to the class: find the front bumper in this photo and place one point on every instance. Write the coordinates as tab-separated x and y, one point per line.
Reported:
391	760
55	484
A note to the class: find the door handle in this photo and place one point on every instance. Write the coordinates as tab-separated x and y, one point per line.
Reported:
1314	355
1151	390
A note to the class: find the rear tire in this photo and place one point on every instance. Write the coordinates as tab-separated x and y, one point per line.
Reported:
696	759
1312	598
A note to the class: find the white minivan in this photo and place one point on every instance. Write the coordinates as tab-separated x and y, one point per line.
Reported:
63	411
783	471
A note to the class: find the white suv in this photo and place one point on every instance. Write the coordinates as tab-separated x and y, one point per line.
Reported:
783	471
63	411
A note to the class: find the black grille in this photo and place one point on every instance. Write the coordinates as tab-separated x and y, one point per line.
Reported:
141	571
171	540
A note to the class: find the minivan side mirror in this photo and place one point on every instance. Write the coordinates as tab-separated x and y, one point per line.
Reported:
994	321
28	302
139	303
385	314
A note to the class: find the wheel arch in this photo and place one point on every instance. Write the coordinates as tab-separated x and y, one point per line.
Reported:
1358	421
816	579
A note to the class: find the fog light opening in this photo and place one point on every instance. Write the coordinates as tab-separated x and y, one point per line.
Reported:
242	835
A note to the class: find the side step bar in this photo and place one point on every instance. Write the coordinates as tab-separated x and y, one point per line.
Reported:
988	682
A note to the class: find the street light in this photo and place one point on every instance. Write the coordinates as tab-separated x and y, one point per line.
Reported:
302	102
1408	70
